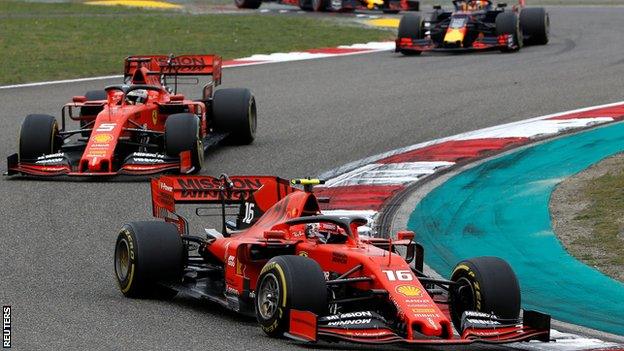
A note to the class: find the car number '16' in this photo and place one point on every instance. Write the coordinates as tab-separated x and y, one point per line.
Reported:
404	276
249	213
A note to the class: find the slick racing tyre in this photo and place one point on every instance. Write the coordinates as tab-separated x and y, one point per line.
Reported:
319	5
535	25
91	111
411	26
508	23
148	254
485	284
39	136
234	112
305	5
182	134
285	283
248	4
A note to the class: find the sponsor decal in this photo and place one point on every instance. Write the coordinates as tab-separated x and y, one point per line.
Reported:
182	64
231	290
147	160
423	310
349	315
477	314
339	257
99	146
103	138
350	322
165	187
155	117
147	154
209	188
49	161
409	290
6	327
57	155
96	153
482	321
231	261
426	315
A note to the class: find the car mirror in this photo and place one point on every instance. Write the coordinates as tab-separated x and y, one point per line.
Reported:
274	235
79	99
405	235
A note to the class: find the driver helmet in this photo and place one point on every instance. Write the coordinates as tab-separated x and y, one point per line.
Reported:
135	97
476	5
323	231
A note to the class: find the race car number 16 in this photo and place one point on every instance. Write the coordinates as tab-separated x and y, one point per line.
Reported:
404	276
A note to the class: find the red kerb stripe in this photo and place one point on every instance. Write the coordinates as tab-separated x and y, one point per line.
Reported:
454	150
356	197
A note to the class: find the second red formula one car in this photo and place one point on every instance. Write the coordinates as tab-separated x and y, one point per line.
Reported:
310	276
140	127
473	25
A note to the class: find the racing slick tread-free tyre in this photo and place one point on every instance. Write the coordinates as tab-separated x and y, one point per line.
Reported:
486	284
234	112
411	26
508	23
91	95
248	4
146	254
182	134
38	136
285	283
319	5
535	25
305	5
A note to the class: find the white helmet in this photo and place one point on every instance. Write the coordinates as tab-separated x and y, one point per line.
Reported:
138	96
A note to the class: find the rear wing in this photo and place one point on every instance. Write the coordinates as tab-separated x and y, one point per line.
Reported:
170	65
263	191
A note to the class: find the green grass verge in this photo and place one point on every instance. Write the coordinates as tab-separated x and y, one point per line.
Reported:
604	214
61	41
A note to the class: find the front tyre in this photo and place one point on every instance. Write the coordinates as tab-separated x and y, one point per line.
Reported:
285	283
39	136
248	4
411	26
182	134
508	23
485	284
148	255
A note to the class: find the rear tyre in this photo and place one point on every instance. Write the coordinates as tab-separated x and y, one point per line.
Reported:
508	23
248	4
305	5
39	136
148	255
91	95
285	283
319	5
234	112
182	134
411	26
486	284
535	25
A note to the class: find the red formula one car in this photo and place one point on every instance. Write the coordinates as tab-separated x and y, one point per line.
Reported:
474	25
387	6
310	276
140	127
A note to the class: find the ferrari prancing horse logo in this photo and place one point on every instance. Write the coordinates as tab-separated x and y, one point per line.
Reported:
154	117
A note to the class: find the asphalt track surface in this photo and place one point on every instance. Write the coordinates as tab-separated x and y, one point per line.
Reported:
57	236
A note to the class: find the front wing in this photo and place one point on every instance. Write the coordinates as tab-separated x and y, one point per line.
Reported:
305	326
503	41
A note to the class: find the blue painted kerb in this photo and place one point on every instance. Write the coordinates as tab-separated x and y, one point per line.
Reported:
500	208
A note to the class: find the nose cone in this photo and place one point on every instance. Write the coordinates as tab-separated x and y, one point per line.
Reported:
454	37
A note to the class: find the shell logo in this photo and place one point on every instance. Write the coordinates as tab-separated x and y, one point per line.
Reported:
102	138
409	290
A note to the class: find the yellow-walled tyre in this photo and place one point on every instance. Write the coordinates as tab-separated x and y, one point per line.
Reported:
285	283
148	256
485	284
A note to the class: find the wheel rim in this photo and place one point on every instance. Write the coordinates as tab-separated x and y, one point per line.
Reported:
122	260
268	298
464	298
